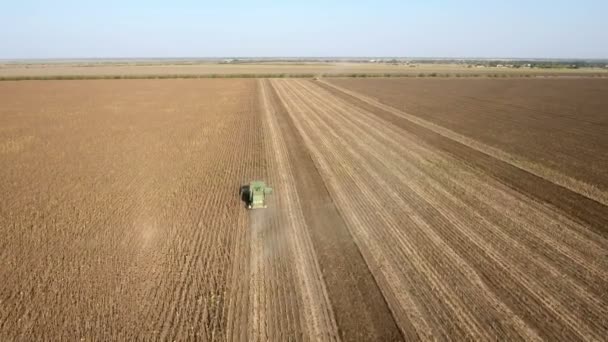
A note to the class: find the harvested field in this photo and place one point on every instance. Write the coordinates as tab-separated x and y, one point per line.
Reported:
401	211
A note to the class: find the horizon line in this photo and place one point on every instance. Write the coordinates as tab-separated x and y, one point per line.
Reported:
307	58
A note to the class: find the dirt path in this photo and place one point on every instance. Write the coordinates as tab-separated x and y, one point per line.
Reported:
456	253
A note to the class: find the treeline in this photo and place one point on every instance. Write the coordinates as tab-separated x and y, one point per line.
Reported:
513	63
313	76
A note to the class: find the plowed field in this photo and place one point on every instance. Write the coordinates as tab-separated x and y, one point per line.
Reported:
443	209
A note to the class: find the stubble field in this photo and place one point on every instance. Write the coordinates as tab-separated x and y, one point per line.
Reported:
404	209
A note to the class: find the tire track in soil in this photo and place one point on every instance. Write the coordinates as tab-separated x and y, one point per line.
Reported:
287	293
431	183
589	211
360	309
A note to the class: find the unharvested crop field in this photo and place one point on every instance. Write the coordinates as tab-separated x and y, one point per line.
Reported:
409	209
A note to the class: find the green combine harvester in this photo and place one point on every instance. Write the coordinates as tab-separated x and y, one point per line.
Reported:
254	194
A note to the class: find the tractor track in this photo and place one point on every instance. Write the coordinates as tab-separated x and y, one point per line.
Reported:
289	243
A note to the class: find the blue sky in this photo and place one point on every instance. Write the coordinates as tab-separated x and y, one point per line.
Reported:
432	28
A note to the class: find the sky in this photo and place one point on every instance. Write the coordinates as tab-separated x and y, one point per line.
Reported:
312	28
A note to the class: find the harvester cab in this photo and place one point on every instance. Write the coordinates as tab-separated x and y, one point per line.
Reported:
254	194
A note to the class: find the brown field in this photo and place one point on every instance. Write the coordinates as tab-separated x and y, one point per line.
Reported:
410	209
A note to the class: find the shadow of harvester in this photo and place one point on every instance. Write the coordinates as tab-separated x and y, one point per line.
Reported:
245	196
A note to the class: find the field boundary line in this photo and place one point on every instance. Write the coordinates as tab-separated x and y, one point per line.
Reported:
582	188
